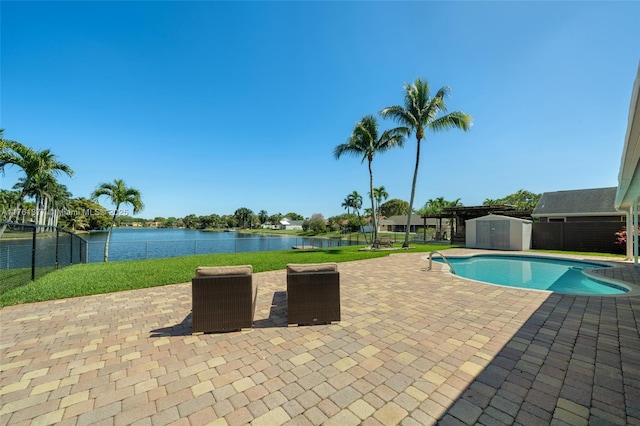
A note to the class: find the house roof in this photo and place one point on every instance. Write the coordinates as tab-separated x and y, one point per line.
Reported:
402	219
581	202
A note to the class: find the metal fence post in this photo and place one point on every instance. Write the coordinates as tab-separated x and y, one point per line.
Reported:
57	248
33	255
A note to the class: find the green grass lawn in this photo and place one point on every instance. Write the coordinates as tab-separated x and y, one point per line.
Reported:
98	278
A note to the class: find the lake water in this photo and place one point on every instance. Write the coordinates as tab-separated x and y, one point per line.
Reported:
134	244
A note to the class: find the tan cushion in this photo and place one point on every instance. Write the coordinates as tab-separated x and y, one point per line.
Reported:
311	267
207	271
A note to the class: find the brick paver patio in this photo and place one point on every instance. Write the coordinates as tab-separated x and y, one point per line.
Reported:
413	347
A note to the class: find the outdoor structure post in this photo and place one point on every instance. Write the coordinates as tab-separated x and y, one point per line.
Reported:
629	227
635	233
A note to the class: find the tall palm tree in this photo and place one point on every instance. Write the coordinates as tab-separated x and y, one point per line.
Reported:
420	112
60	198
365	142
379	194
354	201
346	204
263	216
40	188
356	204
118	193
243	215
37	166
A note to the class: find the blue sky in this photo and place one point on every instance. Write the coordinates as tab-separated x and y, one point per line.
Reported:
206	107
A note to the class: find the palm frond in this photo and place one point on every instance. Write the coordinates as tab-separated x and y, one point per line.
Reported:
454	120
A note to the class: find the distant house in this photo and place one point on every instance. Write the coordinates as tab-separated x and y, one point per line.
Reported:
399	223
595	205
269	225
383	224
288	224
133	224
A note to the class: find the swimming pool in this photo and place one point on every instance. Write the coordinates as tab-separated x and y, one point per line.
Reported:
538	273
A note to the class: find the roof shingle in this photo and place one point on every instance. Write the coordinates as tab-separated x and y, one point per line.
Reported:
583	202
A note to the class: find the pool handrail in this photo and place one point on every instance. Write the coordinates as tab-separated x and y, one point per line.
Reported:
453	271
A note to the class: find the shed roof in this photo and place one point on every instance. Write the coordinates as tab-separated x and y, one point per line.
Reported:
498	217
580	202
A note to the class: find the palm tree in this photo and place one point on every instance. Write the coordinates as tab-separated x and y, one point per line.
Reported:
346	204
263	216
433	206
39	167
77	222
420	112
243	215
379	194
60	197
365	142
355	200
49	197
8	199
118	194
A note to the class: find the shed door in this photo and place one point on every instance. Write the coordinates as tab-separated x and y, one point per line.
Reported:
493	234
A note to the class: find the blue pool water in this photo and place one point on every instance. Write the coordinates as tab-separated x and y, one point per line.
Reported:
557	275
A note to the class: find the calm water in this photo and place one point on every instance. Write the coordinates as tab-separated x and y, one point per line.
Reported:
558	275
133	244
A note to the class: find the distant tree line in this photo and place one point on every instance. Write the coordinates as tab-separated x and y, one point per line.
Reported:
37	197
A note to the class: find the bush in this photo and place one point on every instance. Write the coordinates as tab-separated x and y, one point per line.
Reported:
621	239
315	223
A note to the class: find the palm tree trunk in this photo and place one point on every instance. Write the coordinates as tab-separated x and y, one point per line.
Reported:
43	214
374	232
413	194
366	240
106	243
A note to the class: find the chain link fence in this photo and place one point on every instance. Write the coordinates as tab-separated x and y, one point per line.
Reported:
28	252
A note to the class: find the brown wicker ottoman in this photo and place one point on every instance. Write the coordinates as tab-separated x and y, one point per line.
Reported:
313	293
223	298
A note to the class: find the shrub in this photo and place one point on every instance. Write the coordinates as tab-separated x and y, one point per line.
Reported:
315	223
621	238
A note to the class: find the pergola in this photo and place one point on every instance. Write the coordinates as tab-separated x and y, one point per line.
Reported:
459	214
628	193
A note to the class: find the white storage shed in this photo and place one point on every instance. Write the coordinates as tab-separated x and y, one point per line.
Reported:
498	233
